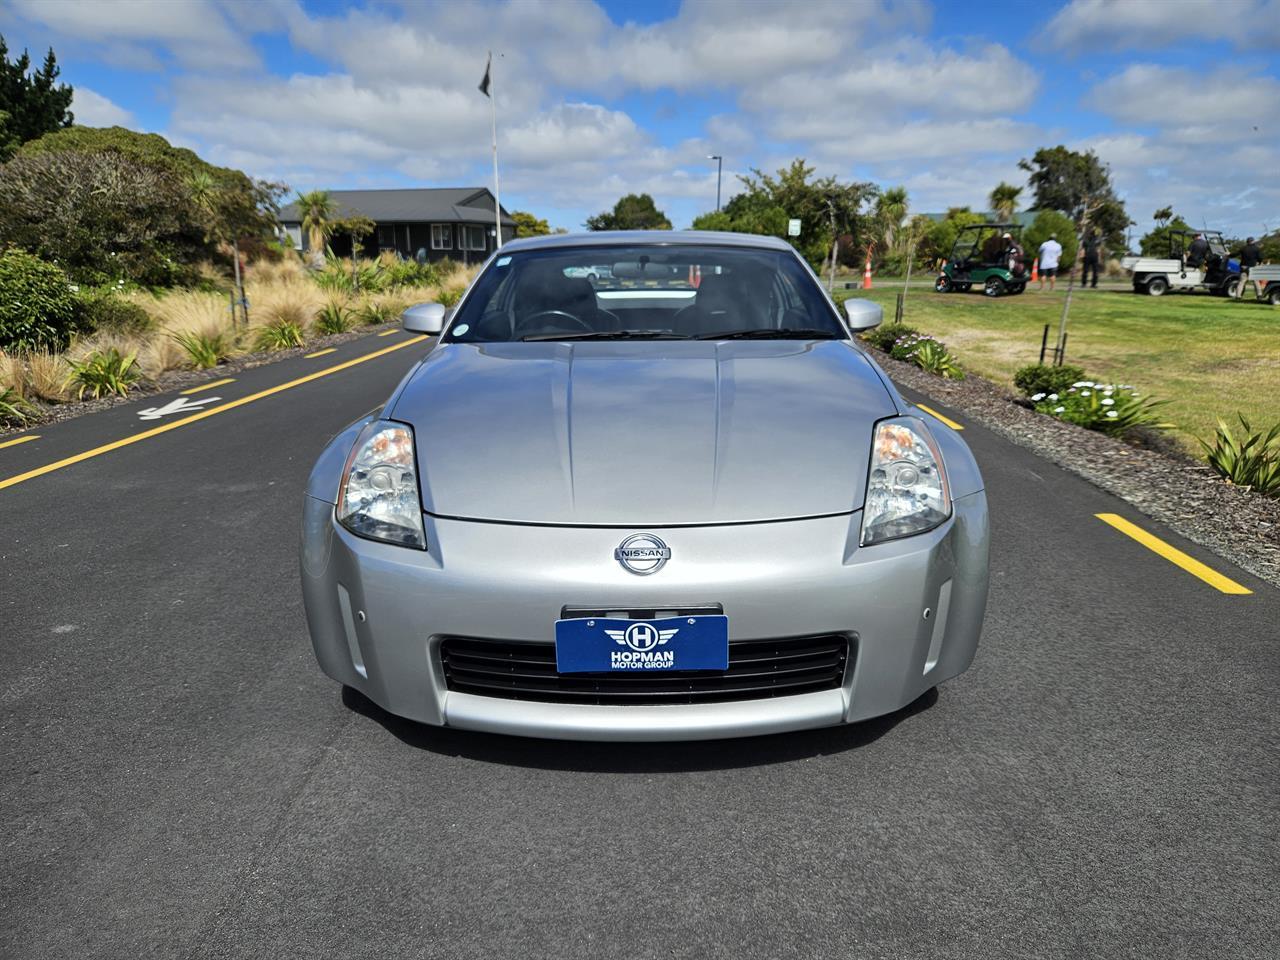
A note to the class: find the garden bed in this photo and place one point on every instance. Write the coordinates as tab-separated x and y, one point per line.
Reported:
1184	493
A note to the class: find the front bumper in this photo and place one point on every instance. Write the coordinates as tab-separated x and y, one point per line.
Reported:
913	608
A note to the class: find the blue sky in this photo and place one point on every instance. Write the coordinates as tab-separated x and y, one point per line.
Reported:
1180	97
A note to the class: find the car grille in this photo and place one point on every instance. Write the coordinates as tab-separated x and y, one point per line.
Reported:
758	670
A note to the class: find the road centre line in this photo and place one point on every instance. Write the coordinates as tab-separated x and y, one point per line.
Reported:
1175	556
387	333
17	440
202	415
209	386
937	416
320	353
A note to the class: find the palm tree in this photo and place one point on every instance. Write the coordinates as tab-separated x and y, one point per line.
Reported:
1004	200
316	209
891	210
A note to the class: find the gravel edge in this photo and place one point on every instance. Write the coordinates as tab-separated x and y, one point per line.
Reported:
1179	491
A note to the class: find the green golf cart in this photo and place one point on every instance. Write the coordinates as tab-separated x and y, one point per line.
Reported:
979	258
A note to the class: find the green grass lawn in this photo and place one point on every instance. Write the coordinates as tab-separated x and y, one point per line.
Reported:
1207	355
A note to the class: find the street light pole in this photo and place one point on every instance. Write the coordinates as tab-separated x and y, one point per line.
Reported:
719	167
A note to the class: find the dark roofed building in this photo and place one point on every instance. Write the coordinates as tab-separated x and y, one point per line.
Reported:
434	223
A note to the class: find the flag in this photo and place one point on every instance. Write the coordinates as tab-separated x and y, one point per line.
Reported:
484	84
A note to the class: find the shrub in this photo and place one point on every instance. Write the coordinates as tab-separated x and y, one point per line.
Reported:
338	277
46	376
1252	461
205	349
104	310
884	336
1110	408
279	335
334	317
104	372
13	409
410	273
1042	378
38	309
377	311
927	353
449	297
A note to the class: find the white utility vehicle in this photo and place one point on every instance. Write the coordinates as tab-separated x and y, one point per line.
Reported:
1217	273
1267	276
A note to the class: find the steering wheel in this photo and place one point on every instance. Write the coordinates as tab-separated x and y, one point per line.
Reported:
560	320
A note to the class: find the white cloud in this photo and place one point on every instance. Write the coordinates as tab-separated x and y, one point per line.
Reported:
1143	24
94	110
195	32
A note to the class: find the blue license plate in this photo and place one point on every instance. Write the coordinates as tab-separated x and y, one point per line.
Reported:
600	645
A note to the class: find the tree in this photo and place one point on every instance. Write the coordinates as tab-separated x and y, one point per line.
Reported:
1004	200
937	237
635	211
1051	222
111	204
31	105
1156	243
890	212
527	225
316	210
1163	215
1079	185
827	210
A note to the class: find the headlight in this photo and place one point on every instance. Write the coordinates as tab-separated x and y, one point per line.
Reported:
907	487
378	498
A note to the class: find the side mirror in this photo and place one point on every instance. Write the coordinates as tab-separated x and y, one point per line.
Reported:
863	314
424	318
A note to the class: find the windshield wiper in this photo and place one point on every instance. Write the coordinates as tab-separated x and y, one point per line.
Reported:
764	333
609	335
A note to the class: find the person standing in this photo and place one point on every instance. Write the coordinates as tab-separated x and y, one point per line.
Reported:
1092	256
1250	257
1050	257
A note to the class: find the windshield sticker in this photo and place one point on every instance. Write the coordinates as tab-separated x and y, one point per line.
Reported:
503	261
460	329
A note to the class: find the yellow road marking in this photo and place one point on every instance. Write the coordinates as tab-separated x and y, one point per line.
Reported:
202	415
320	353
387	333
209	386
17	440
1174	555
937	416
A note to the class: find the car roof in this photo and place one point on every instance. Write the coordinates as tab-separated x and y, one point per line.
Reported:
655	238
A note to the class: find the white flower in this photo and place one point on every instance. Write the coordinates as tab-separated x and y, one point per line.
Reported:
1038	397
1112	413
1108	402
1053	396
1083	383
1058	409
1086	393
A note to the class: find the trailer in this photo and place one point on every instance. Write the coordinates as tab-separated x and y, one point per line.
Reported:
1156	276
1267	278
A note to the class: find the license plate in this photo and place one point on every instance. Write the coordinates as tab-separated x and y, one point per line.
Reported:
602	645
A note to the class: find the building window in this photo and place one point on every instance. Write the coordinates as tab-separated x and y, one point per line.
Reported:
442	236
386	236
472	238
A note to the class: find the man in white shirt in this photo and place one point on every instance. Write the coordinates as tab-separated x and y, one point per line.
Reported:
1050	254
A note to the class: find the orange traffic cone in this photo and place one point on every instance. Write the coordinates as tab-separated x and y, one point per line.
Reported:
1035	270
866	274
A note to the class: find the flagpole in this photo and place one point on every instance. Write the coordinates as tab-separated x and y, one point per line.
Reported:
497	190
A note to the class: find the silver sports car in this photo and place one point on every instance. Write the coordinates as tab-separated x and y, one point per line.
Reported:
679	503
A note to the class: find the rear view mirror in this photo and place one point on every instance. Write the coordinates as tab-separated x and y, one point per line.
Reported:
863	314
424	318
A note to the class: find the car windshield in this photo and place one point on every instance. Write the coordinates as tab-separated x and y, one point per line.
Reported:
650	291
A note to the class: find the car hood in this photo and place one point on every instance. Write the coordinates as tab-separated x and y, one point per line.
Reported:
643	433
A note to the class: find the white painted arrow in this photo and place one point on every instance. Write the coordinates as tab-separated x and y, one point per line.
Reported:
180	405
